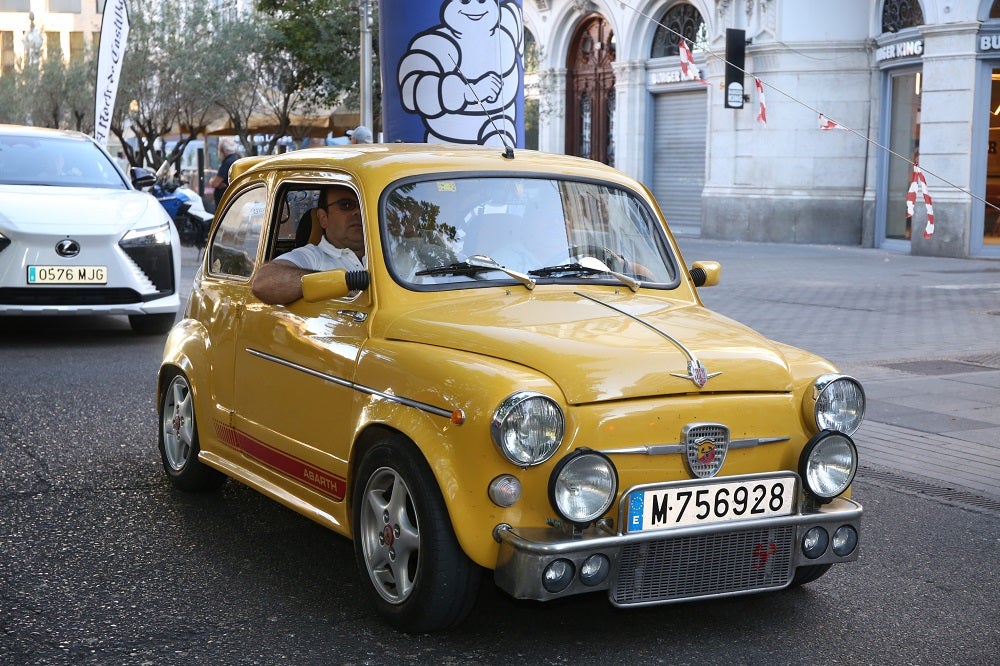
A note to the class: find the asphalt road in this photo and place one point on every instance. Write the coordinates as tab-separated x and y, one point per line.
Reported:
102	562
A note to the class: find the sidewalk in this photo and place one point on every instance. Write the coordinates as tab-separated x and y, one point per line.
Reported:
922	334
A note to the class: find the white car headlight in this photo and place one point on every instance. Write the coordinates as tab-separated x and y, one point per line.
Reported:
583	486
528	428
158	235
828	464
837	402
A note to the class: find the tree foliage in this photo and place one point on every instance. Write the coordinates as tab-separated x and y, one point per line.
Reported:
190	64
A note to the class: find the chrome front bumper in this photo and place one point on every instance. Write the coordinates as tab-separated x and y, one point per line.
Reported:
676	564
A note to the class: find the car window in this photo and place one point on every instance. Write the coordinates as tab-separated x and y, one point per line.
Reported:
523	223
233	249
56	162
294	224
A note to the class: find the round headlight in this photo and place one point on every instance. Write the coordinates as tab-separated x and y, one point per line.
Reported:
583	486
845	540
814	543
839	403
558	575
828	464
528	428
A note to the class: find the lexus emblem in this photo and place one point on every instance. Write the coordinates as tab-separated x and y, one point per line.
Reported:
67	248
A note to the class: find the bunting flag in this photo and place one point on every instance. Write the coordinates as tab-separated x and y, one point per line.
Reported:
920	183
762	114
827	124
689	70
114	34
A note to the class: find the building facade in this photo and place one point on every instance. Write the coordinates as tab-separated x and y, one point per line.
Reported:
40	28
894	82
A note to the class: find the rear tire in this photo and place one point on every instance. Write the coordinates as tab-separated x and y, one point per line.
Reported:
152	324
179	445
420	579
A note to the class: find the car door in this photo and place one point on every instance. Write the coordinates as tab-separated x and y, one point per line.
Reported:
219	298
294	373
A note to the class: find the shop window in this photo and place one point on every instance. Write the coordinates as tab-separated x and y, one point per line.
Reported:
76	47
53	46
683	19
904	140
991	220
65	6
899	14
6	52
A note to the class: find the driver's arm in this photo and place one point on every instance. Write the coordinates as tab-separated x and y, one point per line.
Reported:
279	282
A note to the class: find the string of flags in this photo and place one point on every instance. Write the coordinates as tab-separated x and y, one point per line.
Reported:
762	112
920	183
689	70
827	124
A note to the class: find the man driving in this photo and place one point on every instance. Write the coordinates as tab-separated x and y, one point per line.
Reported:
341	246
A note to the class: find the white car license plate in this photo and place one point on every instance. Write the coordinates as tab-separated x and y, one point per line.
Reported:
684	504
67	274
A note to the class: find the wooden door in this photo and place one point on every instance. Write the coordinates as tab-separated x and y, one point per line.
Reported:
590	86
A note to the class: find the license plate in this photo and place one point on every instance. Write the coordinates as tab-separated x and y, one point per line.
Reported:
67	274
684	504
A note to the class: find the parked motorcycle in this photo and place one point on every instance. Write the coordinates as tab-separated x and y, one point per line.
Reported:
184	206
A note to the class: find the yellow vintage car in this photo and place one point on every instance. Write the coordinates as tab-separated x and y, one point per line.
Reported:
522	379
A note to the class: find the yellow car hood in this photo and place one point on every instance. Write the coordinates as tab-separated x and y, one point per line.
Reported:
594	352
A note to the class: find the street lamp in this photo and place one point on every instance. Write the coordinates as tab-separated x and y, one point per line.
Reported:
365	9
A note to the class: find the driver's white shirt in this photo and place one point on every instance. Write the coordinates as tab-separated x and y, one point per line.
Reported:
323	257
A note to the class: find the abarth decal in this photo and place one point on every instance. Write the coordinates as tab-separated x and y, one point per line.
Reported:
331	485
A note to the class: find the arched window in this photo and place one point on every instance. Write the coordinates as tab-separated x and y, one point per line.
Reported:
995	9
684	19
899	14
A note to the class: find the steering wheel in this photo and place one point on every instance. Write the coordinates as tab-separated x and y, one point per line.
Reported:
611	259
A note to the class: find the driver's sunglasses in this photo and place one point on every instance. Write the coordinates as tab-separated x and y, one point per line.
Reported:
346	205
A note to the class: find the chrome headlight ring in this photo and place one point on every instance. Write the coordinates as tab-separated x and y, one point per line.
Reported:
528	428
837	402
828	464
583	486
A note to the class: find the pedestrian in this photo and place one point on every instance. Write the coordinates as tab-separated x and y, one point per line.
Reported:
360	134
220	181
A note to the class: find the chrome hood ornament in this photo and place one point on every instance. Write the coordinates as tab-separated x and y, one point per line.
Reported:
696	370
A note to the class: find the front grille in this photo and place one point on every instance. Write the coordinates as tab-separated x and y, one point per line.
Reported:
72	296
704	565
156	262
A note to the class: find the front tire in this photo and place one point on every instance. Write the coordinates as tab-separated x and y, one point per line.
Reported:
421	580
179	445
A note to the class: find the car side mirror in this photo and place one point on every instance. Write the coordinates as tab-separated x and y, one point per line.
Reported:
706	273
333	284
142	177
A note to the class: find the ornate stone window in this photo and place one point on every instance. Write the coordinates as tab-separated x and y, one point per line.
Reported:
899	14
684	19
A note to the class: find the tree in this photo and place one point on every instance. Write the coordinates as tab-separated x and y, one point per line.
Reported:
327	46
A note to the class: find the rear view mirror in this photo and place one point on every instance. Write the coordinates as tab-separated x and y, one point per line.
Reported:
142	177
706	273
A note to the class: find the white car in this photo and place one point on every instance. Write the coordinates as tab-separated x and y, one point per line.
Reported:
77	238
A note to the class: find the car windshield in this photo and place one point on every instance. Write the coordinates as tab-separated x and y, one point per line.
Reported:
451	231
58	162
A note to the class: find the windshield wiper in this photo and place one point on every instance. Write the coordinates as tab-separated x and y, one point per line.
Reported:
478	263
565	270
457	268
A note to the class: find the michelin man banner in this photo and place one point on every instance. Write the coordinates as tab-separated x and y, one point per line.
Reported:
452	71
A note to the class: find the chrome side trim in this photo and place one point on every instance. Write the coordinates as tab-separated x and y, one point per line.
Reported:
671	449
340	381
